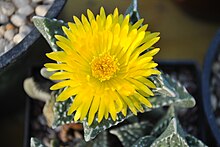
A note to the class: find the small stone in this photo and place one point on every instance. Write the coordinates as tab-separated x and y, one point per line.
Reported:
2	30
18	20
218	121
9	46
7	8
3	43
48	1
18	38
20	3
216	67
41	10
9	34
26	10
10	26
214	102
25	29
37	1
3	19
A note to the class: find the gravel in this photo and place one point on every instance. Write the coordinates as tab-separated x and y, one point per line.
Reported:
215	88
15	20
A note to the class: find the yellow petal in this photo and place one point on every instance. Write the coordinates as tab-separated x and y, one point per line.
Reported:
90	15
61	85
59	56
87	104
101	111
61	76
93	109
143	100
112	110
67	93
55	66
141	86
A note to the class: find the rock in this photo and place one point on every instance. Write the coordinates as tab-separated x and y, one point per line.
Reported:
2	30
41	10
18	20
48	1
3	43
3	19
20	3
26	10
37	1
214	102
18	38
9	35
218	121
7	8
9	46
9	26
216	68
25	29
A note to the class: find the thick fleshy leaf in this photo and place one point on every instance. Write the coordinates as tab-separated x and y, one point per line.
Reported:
172	136
194	142
133	12
100	141
145	141
129	134
60	112
162	124
49	28
170	91
36	143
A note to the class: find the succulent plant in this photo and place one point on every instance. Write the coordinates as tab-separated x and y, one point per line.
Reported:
168	92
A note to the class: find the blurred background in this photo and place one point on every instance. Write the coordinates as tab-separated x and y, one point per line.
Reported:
187	28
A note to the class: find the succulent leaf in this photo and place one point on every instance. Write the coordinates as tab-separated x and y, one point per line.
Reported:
48	28
36	143
129	134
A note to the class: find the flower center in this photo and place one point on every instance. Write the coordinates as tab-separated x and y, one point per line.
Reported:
104	67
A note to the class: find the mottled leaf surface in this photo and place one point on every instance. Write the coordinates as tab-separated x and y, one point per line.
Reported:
129	134
36	143
48	28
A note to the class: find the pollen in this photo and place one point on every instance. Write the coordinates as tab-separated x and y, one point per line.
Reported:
104	67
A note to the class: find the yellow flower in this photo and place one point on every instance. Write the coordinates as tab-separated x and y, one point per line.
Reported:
103	64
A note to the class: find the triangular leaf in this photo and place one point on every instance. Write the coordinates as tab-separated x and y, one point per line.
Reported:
162	124
60	112
194	142
48	28
145	141
171	137
129	134
100	141
133	12
36	143
170	91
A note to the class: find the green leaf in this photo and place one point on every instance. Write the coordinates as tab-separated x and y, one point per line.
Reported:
162	124
133	12
90	132
171	137
145	141
36	143
100	141
194	142
60	112
129	134
48	28
170	91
